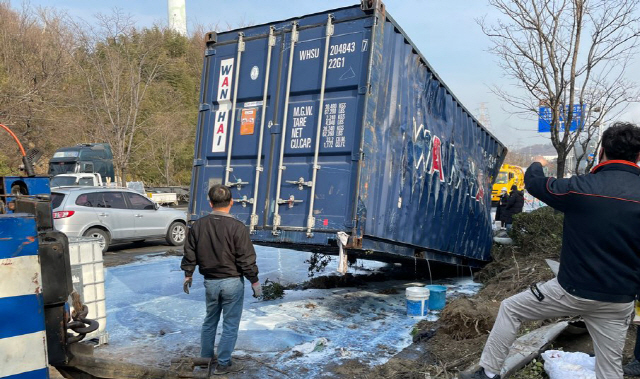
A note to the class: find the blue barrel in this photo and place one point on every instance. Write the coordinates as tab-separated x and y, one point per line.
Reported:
437	297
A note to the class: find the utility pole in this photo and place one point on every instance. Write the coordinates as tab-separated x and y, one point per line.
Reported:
483	116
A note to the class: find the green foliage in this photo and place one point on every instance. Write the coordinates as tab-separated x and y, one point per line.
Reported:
538	232
272	290
5	170
317	262
534	370
90	79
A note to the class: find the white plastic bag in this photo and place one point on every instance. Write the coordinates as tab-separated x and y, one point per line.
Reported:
343	265
566	365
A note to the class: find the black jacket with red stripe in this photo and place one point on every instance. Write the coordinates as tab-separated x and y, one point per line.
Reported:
600	257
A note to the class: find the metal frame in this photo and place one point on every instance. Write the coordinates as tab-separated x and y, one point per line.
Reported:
311	220
276	214
259	168
229	169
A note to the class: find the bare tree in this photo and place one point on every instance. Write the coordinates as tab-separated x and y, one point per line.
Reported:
33	73
162	146
119	64
566	55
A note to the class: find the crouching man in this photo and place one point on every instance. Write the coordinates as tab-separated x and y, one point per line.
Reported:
221	246
600	257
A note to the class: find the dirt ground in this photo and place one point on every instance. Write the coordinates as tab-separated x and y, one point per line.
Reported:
126	253
454	343
443	348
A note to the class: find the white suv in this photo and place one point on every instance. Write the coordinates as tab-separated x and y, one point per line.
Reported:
115	215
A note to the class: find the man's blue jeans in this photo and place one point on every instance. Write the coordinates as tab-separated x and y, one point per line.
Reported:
224	296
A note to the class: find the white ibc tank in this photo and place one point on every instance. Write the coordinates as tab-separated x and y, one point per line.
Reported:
87	273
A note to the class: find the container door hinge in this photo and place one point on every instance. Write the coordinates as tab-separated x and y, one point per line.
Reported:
300	182
240	42
244	201
198	162
330	27
272	37
291	201
238	184
253	223
311	223
204	107
209	52
276	224
363	90
294	32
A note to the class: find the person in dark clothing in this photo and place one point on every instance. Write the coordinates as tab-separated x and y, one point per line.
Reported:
221	247
502	206
515	204
600	259
633	368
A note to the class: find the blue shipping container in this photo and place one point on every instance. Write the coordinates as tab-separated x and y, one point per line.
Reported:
335	122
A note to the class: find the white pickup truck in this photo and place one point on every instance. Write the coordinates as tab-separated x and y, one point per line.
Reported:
164	198
82	180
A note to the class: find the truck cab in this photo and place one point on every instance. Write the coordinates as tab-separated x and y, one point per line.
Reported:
508	176
83	158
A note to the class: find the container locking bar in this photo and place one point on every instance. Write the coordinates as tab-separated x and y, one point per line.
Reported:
229	169
259	168
238	184
300	182
291	201
281	167
244	201
311	220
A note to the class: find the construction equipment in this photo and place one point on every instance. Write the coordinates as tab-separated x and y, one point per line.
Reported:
38	327
508	176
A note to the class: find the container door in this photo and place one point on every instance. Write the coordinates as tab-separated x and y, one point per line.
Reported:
233	139
316	165
280	121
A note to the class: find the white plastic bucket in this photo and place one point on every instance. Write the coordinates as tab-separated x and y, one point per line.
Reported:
417	301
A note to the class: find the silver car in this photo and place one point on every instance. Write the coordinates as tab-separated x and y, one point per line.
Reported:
115	215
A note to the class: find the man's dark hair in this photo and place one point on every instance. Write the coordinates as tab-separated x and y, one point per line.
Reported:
220	196
622	142
514	187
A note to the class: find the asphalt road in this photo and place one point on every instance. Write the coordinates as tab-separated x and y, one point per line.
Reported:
128	252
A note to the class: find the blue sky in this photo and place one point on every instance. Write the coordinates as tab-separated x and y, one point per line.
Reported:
445	31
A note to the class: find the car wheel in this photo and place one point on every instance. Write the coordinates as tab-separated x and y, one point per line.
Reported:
177	233
101	235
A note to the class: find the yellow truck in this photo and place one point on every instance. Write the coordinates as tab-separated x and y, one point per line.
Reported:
508	176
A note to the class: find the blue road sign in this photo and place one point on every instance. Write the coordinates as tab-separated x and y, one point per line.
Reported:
545	117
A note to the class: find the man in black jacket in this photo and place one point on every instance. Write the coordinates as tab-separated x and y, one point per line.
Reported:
221	246
600	261
515	204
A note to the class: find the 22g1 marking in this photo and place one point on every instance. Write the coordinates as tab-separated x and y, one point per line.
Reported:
336	63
